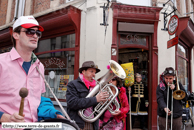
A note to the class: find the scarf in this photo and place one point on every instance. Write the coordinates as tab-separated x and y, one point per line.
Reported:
88	83
162	85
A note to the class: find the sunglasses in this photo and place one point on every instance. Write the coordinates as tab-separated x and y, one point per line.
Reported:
114	79
30	32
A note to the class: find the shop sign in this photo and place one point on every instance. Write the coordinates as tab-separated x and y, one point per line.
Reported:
173	24
172	42
54	62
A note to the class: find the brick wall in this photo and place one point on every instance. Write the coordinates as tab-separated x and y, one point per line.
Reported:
3	11
40	5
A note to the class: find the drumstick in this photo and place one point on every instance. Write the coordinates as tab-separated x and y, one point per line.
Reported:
23	93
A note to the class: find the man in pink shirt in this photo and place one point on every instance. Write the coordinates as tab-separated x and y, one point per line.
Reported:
18	69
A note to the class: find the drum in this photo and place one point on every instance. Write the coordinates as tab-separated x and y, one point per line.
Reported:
66	125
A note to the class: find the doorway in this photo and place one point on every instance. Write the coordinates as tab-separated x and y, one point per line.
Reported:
140	59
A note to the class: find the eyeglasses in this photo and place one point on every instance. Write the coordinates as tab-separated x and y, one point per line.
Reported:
114	79
30	32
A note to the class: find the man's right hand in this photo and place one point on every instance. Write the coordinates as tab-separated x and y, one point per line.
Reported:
167	110
102	96
12	118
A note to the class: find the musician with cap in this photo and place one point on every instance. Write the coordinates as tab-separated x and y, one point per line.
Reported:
18	69
139	101
78	89
167	79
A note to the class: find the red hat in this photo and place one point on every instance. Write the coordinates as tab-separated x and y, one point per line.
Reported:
27	22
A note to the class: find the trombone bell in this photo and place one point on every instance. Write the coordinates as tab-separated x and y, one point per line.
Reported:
179	94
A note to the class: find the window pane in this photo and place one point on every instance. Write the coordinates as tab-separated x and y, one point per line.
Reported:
183	72
182	51
132	39
66	41
59	65
59	70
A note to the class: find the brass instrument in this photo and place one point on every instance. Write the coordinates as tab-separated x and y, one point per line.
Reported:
115	70
167	106
178	94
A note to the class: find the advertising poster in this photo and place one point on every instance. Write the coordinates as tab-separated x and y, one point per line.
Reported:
64	79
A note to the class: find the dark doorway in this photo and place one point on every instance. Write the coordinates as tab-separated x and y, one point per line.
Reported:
140	59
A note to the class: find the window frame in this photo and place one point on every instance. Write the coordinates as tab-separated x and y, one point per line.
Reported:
63	22
186	59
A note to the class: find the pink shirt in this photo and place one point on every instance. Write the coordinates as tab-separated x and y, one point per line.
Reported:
13	78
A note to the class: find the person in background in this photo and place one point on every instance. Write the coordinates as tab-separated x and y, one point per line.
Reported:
78	89
168	77
18	69
116	121
139	101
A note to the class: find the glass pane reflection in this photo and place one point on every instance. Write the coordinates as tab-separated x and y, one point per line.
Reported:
59	70
182	51
59	65
66	41
132	39
183	66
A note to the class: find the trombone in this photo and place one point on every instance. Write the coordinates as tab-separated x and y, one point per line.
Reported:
178	95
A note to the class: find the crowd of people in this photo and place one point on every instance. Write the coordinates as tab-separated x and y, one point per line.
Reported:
18	69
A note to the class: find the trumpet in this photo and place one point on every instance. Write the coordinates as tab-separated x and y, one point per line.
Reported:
115	70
